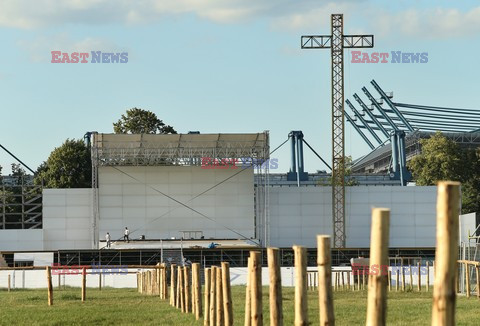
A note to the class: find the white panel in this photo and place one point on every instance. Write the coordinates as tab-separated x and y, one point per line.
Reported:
143	208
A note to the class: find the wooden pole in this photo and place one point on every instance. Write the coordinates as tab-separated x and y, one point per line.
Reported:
389	281
49	285
467	280
256	289
100	281
165	281
444	296
248	296
363	279
9	283
227	295
276	310
59	282
84	284
173	269
348	280
377	282
411	277
335	280
301	303
398	280
325	295
197	290
182	288
219	296
403	278
206	314
178	299
427	281
419	280
186	282
478	281
213	299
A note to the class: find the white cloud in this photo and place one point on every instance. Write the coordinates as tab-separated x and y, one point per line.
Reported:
284	15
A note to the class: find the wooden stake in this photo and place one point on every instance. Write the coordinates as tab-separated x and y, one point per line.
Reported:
8	282
59	283
335	281
248	295
398	280
377	282
165	281
363	279
403	278
186	282
84	284
173	269
348	280
419	280
427	282
478	281
206	315
181	276
227	295
325	295
411	277
178	299
49	285
213	299
197	290
389	281
276	310
219	296
467	280
256	289
444	296
301	303
100	281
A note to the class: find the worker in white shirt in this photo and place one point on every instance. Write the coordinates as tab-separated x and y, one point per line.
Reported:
107	237
125	235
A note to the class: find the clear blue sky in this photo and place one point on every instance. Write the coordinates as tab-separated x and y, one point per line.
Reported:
219	66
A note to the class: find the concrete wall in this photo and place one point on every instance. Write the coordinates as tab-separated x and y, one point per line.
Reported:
67	218
138	198
297	215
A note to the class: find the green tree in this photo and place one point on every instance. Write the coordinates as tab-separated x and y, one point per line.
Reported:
68	166
138	121
442	159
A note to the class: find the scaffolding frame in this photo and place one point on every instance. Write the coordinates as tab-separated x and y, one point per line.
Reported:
20	203
182	150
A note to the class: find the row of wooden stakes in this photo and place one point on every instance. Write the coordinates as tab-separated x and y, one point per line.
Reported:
356	281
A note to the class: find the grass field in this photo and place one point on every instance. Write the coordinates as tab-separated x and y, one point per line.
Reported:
127	307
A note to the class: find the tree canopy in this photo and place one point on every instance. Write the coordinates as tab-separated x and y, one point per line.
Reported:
68	166
139	121
442	159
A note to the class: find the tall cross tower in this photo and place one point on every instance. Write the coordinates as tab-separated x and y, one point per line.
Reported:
337	42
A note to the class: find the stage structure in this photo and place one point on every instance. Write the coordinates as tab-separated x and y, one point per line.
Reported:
159	186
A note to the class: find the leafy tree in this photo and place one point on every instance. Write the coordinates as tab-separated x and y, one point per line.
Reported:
138	121
442	159
68	166
349	178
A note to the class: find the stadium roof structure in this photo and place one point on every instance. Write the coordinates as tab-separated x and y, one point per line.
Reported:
379	118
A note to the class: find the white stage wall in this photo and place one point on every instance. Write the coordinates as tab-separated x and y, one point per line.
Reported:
67	219
297	215
135	197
